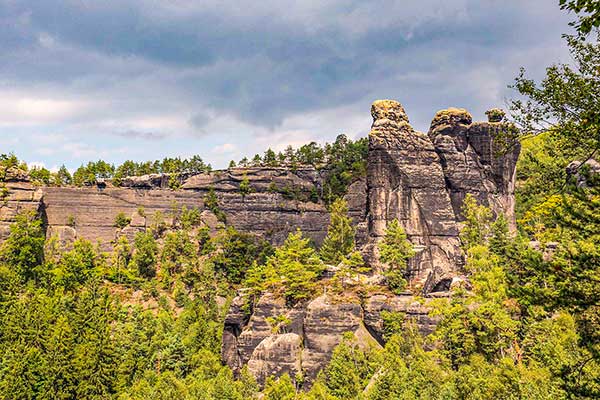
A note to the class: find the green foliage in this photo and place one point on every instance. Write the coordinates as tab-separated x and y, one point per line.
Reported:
122	220
343	162
278	323
476	226
23	250
292	270
145	255
245	188
350	369
233	252
178	253
40	175
77	267
541	174
90	173
393	323
346	162
120	272
339	241
280	389
189	218
395	250
588	12
63	176
175	167
9	163
564	103
212	203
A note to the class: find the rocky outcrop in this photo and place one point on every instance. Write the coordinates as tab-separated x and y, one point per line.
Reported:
280	201
583	174
16	196
304	344
422	181
405	181
419	179
478	158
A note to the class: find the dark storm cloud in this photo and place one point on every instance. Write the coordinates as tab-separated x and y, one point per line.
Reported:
141	62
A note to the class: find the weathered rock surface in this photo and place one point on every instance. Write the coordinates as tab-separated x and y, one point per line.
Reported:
422	181
314	329
583	174
280	202
478	158
405	181
17	196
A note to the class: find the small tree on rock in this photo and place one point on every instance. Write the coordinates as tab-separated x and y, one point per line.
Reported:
395	250
339	241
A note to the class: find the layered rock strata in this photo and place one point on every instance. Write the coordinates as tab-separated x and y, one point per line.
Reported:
303	345
280	201
419	179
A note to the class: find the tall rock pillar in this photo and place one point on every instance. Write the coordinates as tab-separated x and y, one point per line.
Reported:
478	158
405	181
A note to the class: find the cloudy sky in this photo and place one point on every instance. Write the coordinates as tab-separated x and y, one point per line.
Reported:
144	79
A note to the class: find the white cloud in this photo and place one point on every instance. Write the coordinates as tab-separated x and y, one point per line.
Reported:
225	148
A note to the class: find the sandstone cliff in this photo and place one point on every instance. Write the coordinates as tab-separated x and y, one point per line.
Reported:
279	202
419	179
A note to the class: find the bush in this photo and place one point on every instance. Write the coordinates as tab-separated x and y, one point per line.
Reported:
121	220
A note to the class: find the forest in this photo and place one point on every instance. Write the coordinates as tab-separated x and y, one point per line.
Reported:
528	327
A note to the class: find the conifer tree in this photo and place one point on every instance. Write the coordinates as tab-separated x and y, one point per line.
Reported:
293	269
23	250
245	187
395	250
145	255
339	241
476	228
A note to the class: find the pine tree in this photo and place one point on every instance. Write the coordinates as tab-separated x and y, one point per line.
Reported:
339	241
395	250
270	158
145	255
23	250
245	187
293	270
63	176
477	223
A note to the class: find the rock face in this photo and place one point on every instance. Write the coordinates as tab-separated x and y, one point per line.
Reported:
478	158
17	196
280	202
583	175
405	181
304	344
419	179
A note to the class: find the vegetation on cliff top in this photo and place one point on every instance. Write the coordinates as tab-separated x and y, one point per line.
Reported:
146	321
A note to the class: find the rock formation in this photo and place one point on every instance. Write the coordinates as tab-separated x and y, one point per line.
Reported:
280	201
478	158
419	179
405	181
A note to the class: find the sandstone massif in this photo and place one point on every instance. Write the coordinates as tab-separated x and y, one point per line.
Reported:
421	179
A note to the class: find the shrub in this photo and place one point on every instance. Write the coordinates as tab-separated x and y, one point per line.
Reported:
122	220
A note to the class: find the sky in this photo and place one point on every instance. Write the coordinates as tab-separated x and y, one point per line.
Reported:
84	80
